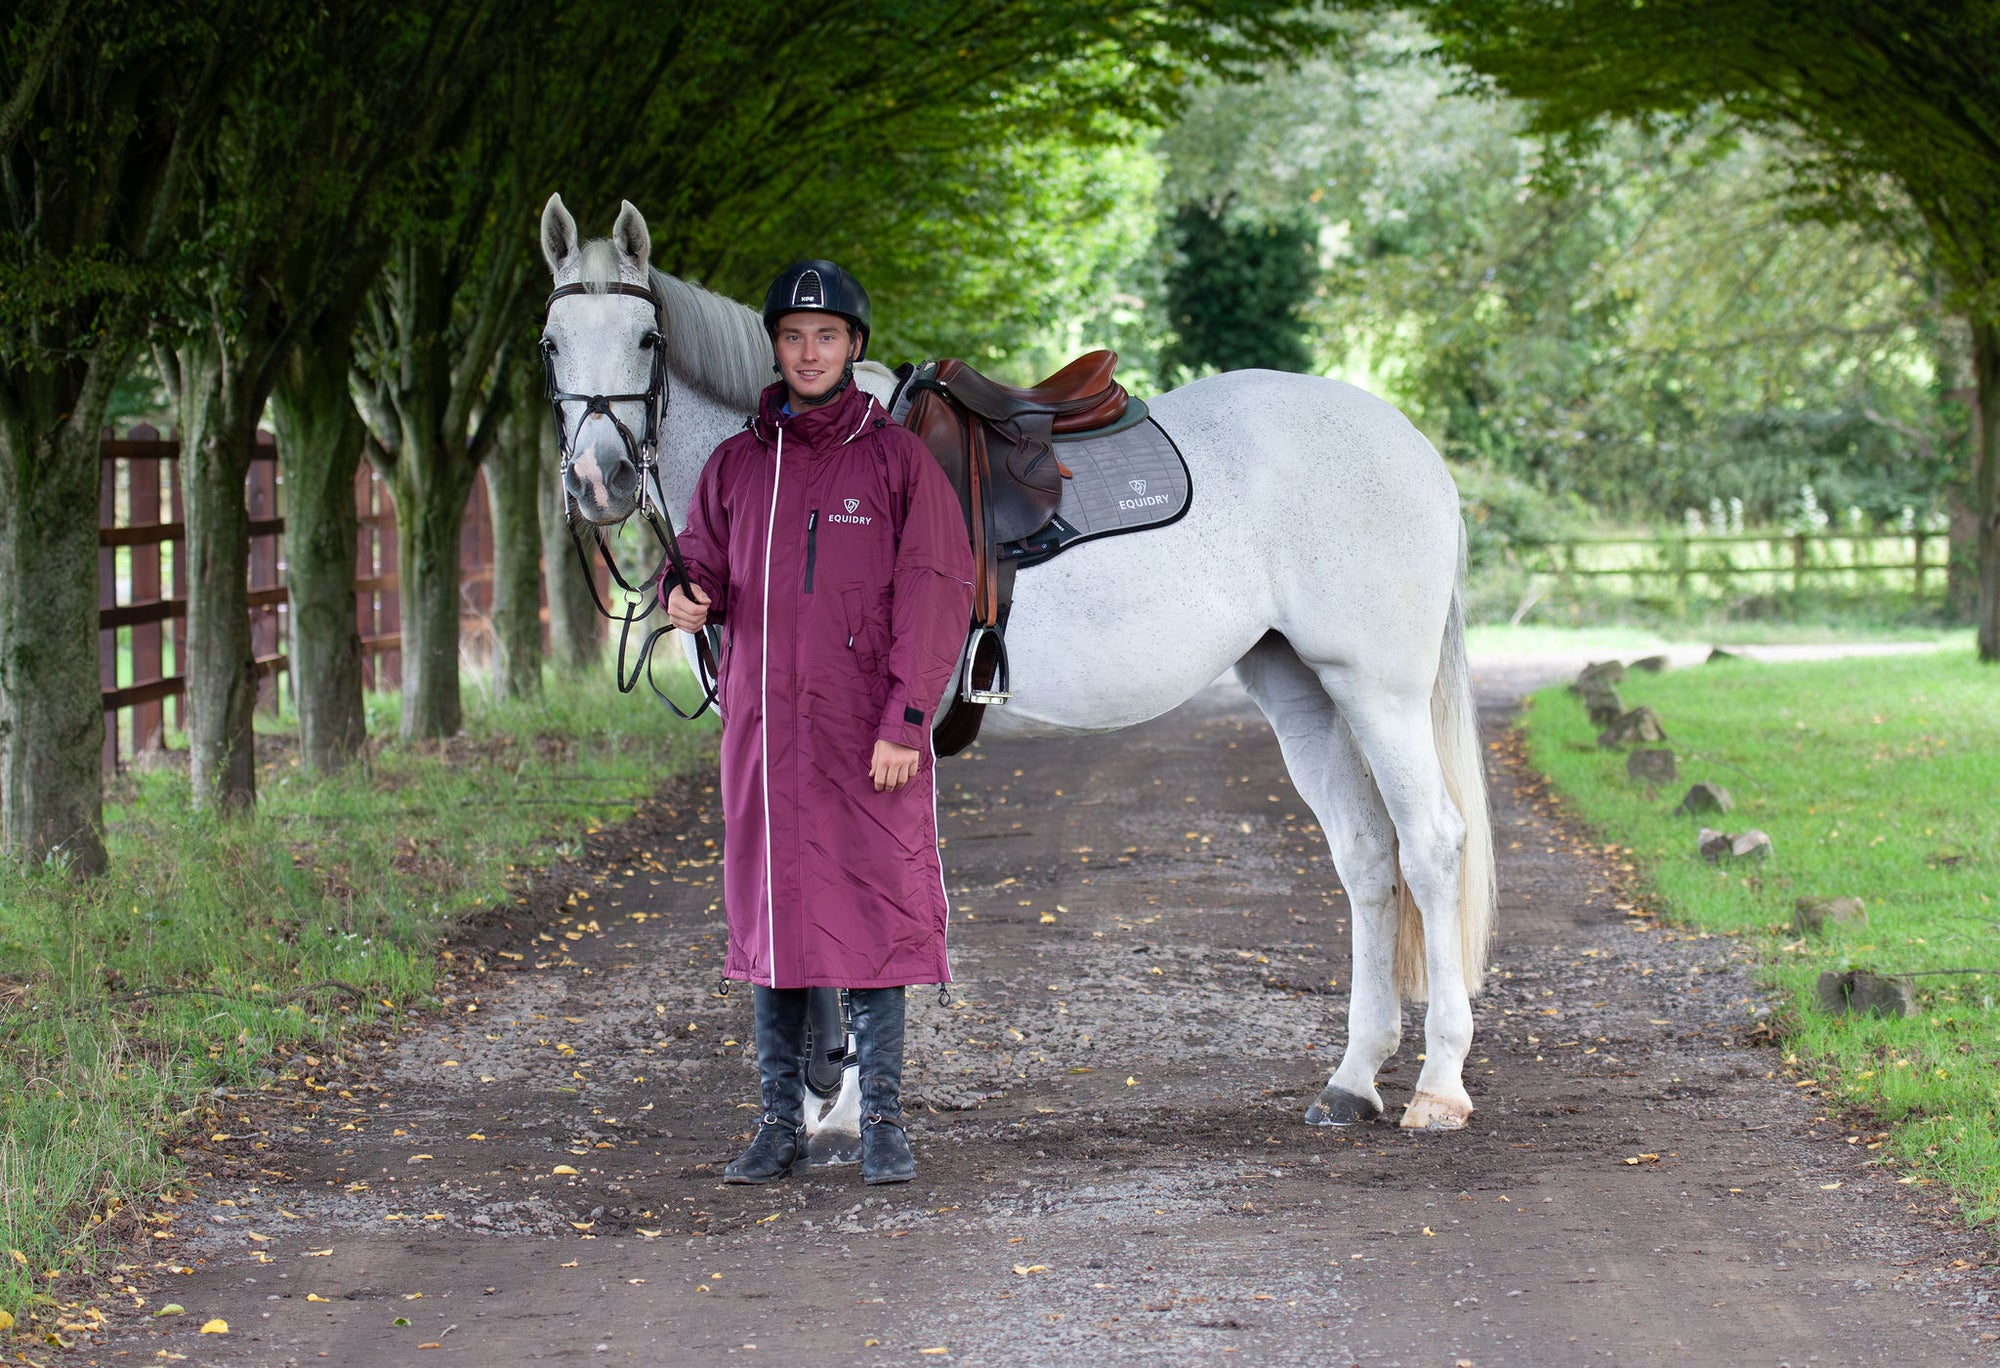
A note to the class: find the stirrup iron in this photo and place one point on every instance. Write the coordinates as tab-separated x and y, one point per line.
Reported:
1000	690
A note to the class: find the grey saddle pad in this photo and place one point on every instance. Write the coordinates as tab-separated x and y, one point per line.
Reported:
1127	481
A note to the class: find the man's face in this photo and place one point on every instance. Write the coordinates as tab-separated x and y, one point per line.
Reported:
813	350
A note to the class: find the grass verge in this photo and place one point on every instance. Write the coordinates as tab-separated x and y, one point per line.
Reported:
212	949
1875	778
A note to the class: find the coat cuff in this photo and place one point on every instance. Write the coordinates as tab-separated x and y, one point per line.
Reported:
905	725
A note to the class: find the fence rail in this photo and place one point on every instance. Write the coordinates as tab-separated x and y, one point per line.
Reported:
1681	568
142	584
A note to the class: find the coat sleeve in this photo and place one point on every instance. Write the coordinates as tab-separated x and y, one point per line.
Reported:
704	541
932	603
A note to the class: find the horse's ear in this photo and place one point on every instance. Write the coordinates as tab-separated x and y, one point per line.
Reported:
558	234
630	237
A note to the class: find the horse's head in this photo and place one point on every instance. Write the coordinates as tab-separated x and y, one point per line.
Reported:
604	358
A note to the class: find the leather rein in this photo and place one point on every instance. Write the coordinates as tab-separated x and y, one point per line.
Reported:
644	453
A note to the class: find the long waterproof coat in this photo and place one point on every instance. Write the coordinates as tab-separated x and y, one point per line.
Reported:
832	548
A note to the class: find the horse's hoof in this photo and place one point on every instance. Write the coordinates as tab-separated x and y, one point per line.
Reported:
1338	1107
827	1148
1429	1112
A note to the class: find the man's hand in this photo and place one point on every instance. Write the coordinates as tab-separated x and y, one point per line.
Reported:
893	766
689	613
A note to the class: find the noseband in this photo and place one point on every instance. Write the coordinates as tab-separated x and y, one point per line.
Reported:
644	453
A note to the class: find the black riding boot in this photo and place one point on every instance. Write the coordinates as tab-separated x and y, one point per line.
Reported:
878	1031
781	1047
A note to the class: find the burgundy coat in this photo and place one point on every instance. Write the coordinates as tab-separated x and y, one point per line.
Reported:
836	558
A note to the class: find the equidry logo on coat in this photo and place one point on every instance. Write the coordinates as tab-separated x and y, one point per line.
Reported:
1143	499
850	516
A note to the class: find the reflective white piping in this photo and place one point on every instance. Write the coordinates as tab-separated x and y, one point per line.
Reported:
867	411
764	713
930	749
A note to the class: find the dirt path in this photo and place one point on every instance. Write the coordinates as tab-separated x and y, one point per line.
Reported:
1111	1164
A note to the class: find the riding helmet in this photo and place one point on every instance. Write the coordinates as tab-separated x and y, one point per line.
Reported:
820	287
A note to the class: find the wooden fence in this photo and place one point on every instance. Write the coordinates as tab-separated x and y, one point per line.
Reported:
1678	570
142	585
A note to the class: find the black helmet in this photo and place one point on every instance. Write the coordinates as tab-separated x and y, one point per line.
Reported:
818	287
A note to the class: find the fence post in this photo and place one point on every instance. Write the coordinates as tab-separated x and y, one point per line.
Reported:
1917	568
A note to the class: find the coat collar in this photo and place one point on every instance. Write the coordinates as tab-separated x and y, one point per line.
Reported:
824	428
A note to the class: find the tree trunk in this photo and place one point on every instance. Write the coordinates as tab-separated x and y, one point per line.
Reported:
51	720
430	506
1986	480
513	491
218	436
320	436
575	626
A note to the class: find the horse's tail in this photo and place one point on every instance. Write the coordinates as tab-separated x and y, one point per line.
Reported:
1455	727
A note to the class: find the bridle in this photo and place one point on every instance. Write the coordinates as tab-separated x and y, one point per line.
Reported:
644	453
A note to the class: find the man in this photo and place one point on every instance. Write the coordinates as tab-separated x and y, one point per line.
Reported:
832	545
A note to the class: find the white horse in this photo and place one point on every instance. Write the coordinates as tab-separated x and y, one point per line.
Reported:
1321	557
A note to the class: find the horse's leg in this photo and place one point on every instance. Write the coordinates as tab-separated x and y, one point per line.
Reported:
1327	768
833	1084
1396	734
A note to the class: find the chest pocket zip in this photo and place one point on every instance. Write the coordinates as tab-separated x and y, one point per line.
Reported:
812	545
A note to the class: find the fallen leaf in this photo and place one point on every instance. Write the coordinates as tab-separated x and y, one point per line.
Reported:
1025	1269
1429	1231
1048	919
314	1296
418	1158
571	1264
170	1309
317	1253
650	1234
218	1326
1131	1082
1828	1187
260	1239
1642	1159
561	1170
941	1349
433	1344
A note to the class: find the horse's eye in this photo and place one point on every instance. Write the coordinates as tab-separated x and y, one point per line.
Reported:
649	341
548	346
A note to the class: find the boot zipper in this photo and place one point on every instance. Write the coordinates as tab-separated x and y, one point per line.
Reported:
812	542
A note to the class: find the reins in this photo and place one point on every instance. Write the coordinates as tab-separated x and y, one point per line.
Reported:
643	451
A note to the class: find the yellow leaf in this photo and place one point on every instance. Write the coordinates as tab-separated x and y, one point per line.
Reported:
317	1253
314	1296
1131	1082
941	1349
1828	1187
475	1136
561	1169
260	1239
418	1158
650	1234
218	1326
6	1320
1048	919
1429	1231
170	1309
18	1257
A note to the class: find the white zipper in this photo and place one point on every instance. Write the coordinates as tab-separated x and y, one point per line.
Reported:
764	712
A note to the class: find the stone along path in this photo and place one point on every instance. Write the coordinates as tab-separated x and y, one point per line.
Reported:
1152	962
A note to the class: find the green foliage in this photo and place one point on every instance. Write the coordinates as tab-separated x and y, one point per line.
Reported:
1237	290
1874	779
1644	324
192	964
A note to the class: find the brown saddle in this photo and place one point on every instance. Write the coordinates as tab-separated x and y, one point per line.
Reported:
997	446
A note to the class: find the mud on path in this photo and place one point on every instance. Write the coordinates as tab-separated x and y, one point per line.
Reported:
1151	954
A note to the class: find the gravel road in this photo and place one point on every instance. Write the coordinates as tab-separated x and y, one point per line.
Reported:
1151	951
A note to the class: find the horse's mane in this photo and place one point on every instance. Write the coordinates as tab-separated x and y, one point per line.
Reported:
713	343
